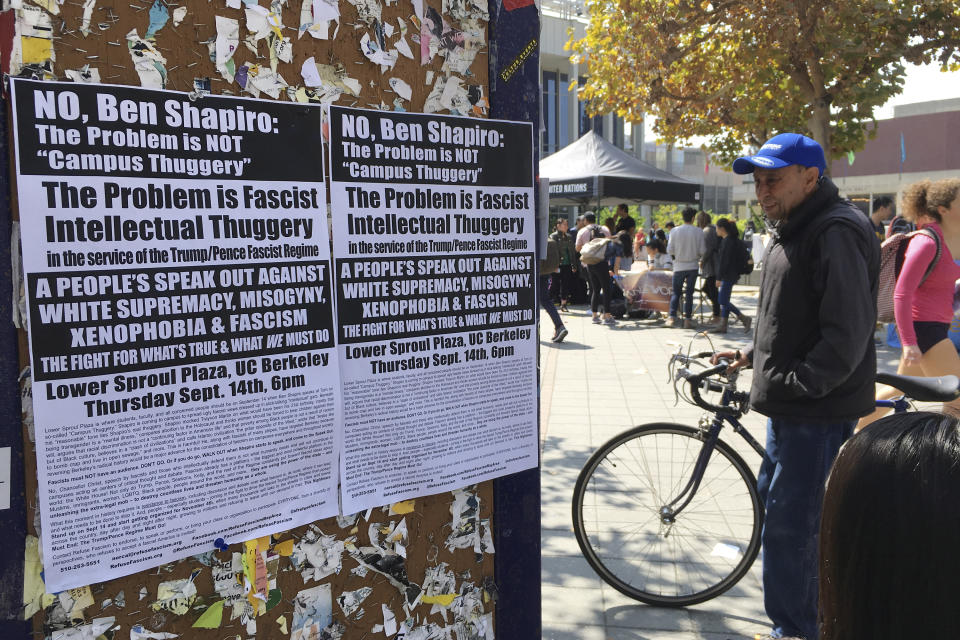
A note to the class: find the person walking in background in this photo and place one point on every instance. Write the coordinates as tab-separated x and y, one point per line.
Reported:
923	304
889	564
548	266
686	244
882	211
654	227
668	229
708	263
813	357
585	234
732	256
561	284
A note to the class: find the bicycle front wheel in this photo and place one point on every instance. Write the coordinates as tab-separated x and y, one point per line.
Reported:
697	555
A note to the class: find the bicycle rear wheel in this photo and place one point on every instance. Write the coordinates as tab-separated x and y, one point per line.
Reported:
617	519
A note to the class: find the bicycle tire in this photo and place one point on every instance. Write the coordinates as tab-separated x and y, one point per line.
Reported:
607	486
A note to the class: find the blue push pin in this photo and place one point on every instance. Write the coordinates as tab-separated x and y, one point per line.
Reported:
221	544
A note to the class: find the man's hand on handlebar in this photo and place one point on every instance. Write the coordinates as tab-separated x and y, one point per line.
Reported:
736	358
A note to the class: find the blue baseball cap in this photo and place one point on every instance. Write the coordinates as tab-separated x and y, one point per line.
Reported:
782	151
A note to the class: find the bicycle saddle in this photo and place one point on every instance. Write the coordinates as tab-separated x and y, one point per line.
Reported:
942	389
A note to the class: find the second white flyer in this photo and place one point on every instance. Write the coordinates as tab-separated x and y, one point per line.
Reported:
433	238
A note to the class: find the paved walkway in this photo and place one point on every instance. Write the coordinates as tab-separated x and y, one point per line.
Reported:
598	382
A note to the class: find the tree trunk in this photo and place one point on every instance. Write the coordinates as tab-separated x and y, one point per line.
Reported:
819	125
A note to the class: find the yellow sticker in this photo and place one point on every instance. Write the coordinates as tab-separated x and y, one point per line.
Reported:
443	599
211	618
282	621
36	50
402	508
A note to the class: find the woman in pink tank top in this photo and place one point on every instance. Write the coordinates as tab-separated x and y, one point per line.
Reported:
924	311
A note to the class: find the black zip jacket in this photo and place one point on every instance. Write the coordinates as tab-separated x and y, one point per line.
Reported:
728	268
813	353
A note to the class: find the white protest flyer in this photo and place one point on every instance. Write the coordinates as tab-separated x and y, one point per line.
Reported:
433	242
176	259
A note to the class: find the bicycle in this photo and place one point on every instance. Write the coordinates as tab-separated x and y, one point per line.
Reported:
669	514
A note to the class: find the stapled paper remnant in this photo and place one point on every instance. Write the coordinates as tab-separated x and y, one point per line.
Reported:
403	48
35	29
178	15
403	90
139	632
84	74
329	83
227	586
316	16
33	587
317	556
312	612
147	61
91	631
468	530
459	48
461	10
176	596
350	601
159	15
88	6
375	53
254	79
228	38
368	11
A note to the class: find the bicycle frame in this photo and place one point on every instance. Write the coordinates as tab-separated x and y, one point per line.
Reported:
710	437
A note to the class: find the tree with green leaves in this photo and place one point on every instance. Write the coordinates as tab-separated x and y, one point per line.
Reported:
740	71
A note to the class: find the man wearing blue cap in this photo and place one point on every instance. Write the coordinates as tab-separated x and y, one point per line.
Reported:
813	357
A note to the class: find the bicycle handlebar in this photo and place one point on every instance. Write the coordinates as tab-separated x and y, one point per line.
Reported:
697	380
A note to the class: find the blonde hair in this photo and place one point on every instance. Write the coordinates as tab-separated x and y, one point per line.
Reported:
923	198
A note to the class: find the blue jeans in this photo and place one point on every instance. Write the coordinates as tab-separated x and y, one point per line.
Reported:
726	288
791	480
683	283
547	303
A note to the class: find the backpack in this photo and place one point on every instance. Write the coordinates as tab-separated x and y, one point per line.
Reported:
595	251
746	260
551	262
892	252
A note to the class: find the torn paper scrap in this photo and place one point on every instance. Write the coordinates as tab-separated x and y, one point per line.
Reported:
316	16
368	11
33	587
176	596
84	74
350	601
312	612
96	628
159	14
317	556
328	82
138	632
389	621
147	62
88	6
228	38
375	54
403	90
35	29
178	15
404	48
259	79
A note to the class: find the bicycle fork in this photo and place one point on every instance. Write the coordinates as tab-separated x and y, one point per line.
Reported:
669	512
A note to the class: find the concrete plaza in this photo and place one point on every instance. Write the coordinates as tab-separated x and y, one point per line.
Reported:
598	382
